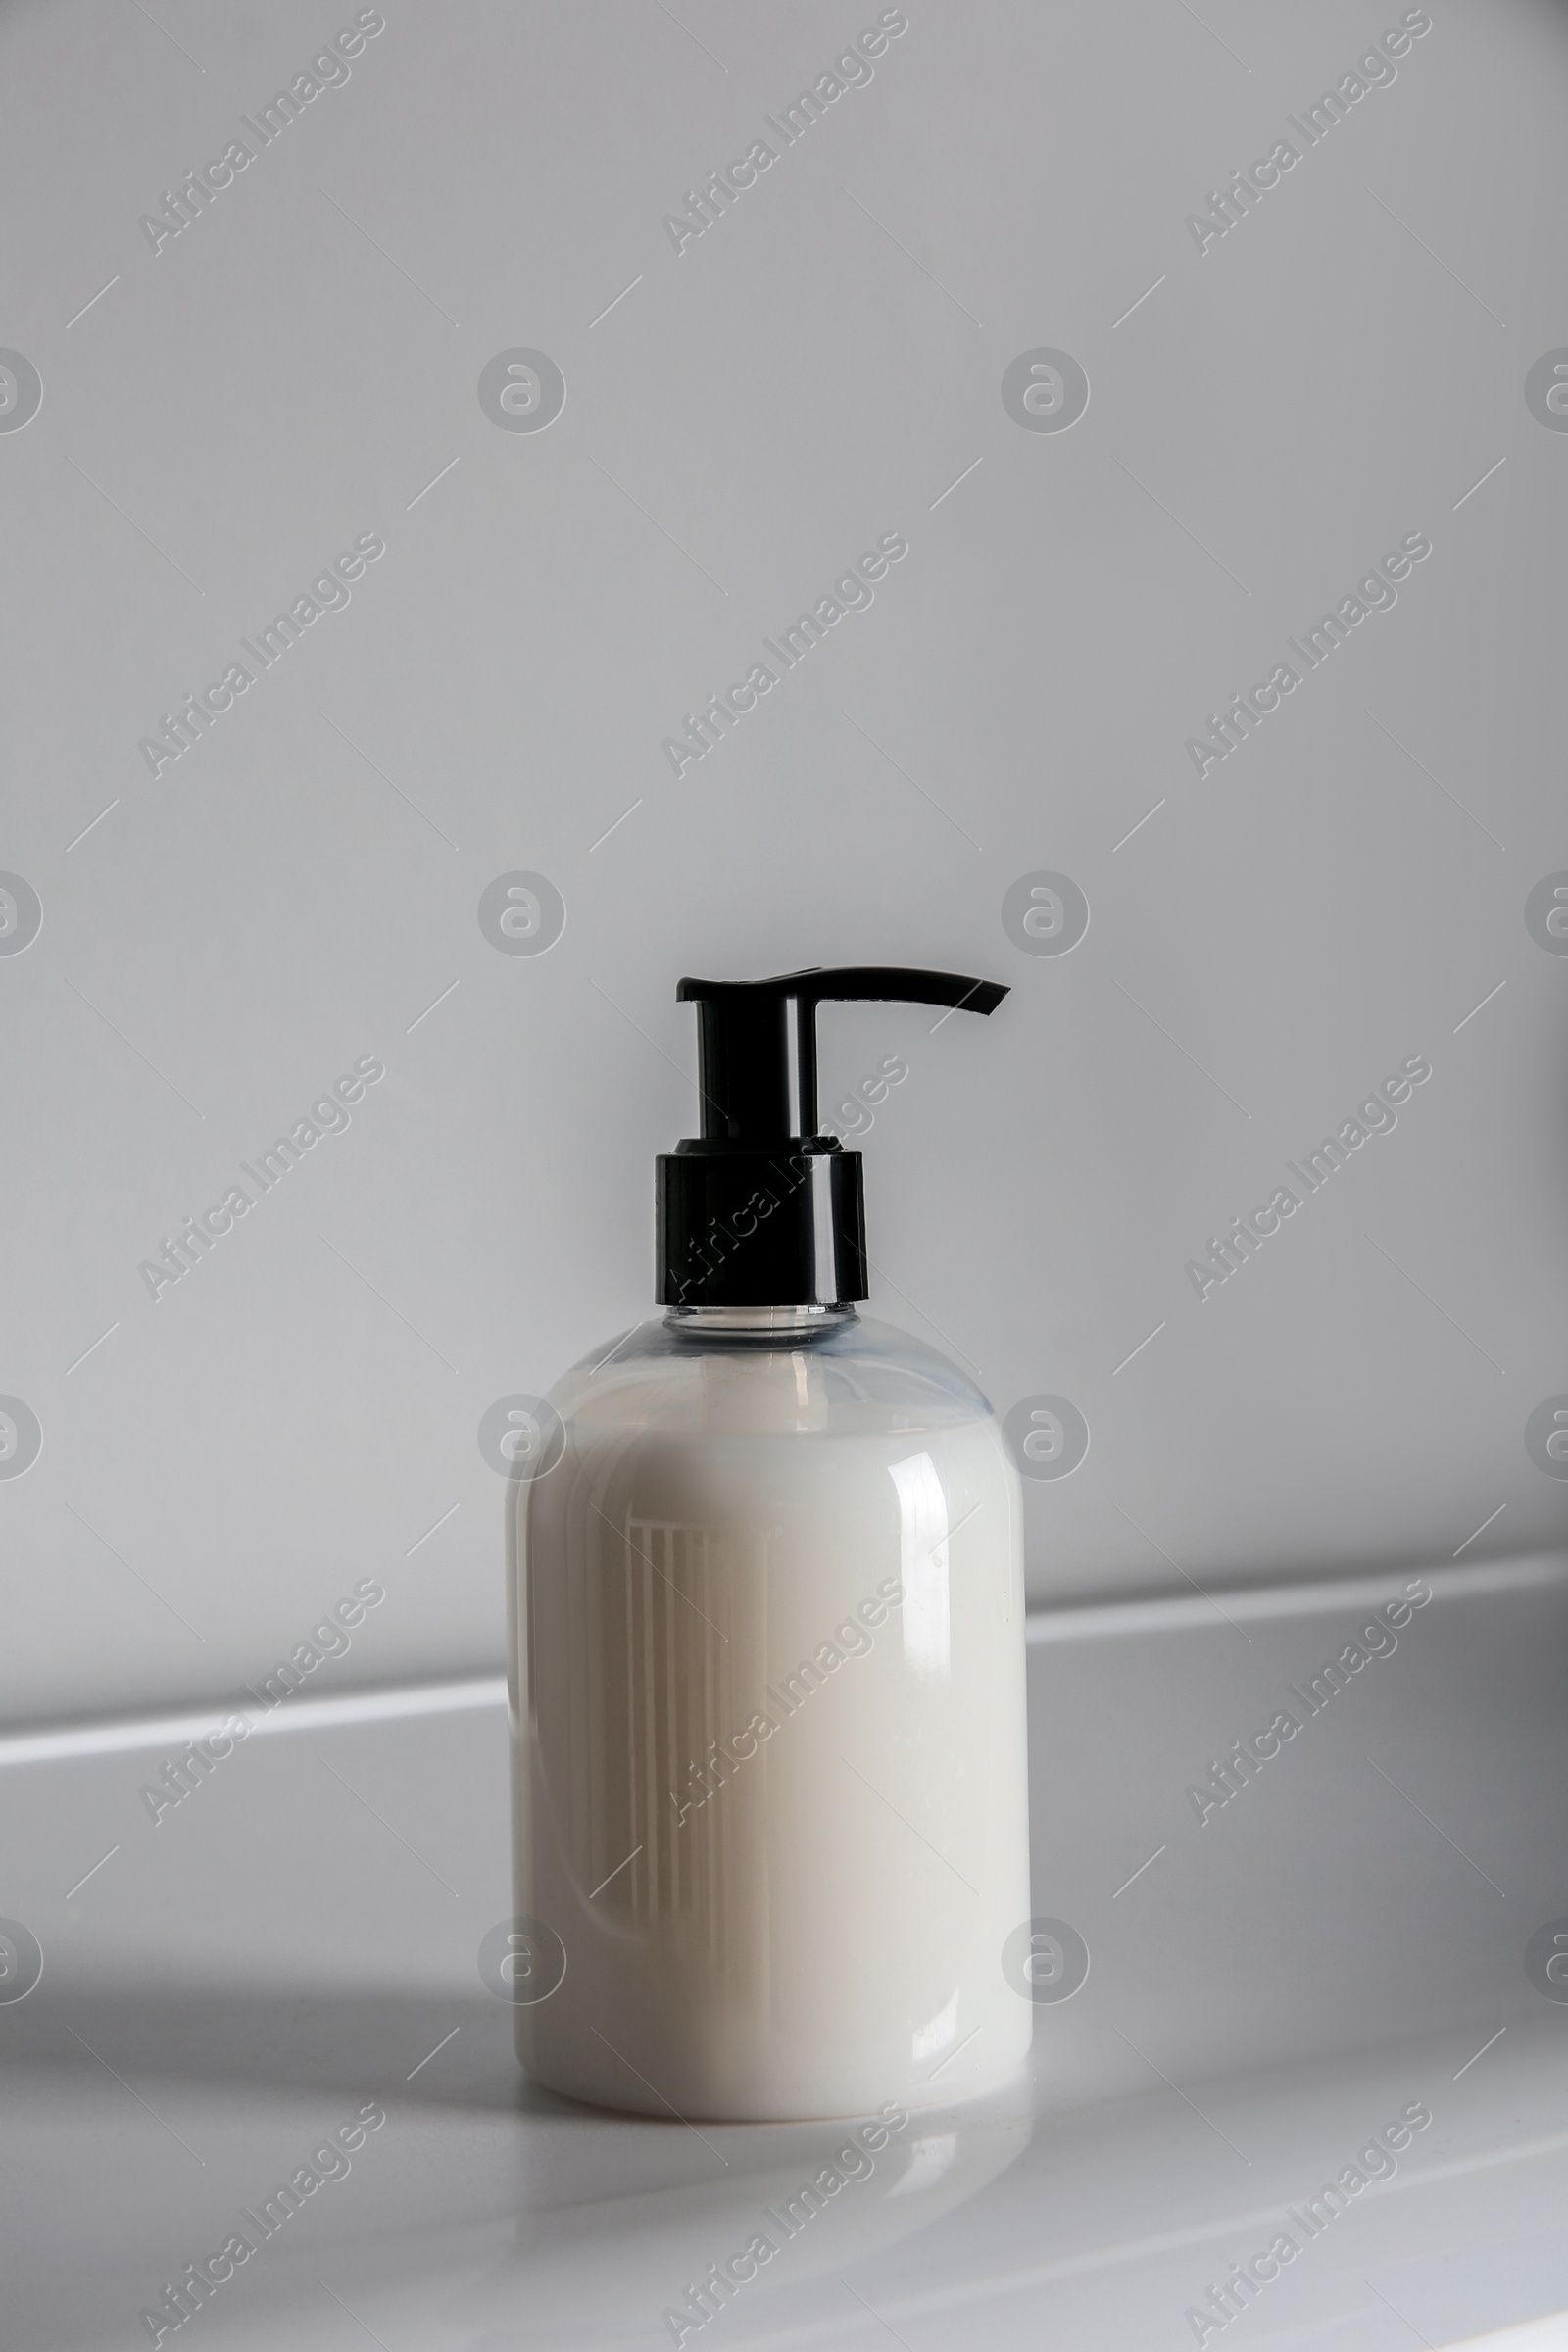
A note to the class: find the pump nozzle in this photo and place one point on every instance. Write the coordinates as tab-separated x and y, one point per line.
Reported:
760	1210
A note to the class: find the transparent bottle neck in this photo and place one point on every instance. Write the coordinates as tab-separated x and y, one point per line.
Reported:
750	1322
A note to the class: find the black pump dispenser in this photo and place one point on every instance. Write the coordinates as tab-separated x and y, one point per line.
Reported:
760	1210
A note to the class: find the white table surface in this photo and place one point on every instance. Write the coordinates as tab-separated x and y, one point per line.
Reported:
299	1937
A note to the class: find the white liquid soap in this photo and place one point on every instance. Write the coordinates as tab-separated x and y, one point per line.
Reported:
766	1652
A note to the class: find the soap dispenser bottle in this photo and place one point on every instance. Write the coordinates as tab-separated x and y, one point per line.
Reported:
766	1654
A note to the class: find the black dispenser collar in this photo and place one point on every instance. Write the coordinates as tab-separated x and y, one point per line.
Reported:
760	1210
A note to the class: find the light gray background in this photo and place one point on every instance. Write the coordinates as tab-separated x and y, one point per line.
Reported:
814	372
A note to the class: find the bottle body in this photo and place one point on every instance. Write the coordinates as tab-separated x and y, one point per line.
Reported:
769	1764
